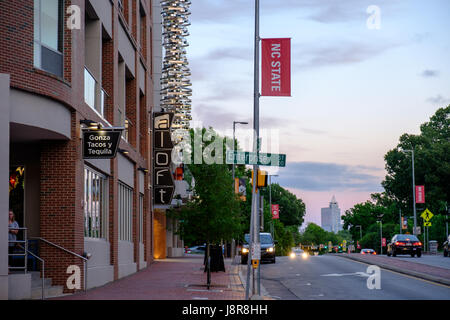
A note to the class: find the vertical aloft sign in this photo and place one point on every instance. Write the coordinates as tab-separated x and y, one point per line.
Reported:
275	211
420	194
163	185
276	67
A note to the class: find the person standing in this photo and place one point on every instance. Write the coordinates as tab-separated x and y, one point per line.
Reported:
13	226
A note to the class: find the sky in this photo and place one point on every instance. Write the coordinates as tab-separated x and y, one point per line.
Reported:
355	89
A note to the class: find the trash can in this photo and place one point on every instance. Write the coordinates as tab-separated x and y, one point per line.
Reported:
433	246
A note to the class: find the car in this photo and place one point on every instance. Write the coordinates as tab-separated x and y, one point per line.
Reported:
267	248
197	249
368	251
404	244
447	247
298	252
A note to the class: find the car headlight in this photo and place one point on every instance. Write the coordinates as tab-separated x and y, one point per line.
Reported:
244	250
269	249
304	255
292	255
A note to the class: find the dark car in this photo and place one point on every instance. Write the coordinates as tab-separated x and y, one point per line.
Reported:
447	247
267	248
404	244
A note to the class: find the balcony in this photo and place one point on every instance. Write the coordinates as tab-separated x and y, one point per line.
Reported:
94	95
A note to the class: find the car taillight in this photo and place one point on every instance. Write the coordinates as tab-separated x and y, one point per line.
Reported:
417	243
363	252
399	243
374	252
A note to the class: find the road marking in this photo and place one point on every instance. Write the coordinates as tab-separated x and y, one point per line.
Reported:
199	298
204	290
359	274
402	274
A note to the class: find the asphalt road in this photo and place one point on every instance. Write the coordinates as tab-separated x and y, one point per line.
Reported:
331	277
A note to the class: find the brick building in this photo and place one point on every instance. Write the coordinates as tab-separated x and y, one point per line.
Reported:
63	62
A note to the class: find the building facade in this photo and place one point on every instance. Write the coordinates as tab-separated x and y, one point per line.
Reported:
65	64
331	217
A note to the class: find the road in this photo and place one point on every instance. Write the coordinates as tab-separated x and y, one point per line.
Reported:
432	260
330	277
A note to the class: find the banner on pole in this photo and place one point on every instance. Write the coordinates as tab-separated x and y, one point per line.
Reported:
276	67
275	211
420	194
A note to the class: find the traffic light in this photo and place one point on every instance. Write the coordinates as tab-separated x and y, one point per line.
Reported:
262	179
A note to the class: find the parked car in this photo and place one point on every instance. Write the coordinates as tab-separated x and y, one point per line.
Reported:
197	249
368	251
404	244
447	247
267	248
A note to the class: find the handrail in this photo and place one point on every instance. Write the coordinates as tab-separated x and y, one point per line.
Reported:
43	270
70	252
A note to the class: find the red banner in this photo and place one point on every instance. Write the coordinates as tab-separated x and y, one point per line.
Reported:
420	194
383	242
276	67
275	211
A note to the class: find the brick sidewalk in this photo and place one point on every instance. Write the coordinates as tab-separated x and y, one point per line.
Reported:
421	270
171	279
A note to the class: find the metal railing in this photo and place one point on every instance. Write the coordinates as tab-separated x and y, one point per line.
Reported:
85	259
25	254
94	95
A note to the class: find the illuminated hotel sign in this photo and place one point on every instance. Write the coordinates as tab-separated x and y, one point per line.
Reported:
163	185
101	144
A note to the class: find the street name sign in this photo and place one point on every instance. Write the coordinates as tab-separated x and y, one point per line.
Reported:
251	158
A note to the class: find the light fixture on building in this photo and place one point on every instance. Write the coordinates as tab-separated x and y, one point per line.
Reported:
143	169
123	151
91	124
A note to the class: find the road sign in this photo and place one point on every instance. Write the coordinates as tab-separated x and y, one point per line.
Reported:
264	159
256	251
427	215
427	224
420	194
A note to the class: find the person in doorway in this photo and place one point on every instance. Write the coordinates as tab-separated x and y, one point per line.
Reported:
13	226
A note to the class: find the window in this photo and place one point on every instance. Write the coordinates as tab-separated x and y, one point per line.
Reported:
48	35
125	212
95	204
141	218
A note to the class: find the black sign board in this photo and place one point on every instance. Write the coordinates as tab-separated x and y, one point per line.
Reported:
163	183
100	144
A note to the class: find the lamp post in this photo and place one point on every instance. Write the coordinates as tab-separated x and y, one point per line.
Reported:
413	190
360	231
233	249
270	200
381	233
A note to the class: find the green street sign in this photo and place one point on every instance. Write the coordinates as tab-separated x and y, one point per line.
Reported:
264	159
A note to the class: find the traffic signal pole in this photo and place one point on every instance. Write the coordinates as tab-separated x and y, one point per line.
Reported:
254	231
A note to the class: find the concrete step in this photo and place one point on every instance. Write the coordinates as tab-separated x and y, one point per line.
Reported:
49	290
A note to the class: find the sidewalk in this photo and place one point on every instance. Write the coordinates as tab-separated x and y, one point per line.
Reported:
171	279
419	270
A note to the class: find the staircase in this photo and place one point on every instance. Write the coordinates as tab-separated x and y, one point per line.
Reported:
49	290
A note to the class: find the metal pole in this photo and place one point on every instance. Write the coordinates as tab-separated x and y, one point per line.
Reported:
254	234
400	214
414	193
381	237
233	242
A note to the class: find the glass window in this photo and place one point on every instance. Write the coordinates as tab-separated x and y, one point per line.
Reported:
48	35
125	212
95	204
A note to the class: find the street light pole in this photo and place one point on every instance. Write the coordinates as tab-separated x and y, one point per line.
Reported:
233	249
413	190
254	233
360	231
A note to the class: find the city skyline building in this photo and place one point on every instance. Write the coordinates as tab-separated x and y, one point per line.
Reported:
331	217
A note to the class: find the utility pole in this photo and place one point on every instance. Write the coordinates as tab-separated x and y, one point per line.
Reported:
401	225
254	232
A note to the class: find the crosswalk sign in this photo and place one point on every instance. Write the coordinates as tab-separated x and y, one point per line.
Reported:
427	215
427	224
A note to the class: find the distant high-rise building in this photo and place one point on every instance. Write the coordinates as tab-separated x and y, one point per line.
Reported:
331	217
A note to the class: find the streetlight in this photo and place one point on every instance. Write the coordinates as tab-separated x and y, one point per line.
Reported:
360	231
270	199
381	232
233	250
413	190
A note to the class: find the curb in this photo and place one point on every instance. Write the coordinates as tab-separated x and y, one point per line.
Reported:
420	275
264	294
